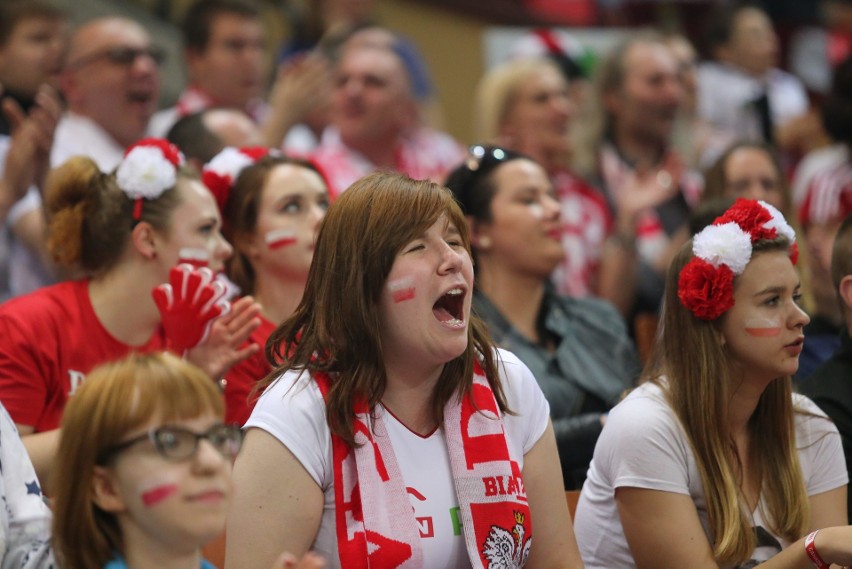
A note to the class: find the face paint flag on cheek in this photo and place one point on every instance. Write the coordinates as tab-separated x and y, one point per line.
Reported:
194	256
280	238
401	289
157	493
762	327
537	211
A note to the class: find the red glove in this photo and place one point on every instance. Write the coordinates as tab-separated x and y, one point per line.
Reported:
189	305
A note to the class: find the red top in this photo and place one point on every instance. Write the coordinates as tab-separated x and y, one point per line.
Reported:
241	378
51	339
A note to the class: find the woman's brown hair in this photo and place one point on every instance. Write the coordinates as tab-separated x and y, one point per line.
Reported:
90	218
336	327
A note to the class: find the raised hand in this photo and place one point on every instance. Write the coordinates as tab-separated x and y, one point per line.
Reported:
228	343
189	304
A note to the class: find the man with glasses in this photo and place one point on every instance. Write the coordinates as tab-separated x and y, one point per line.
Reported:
111	83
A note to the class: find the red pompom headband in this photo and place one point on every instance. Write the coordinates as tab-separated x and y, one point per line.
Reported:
722	250
223	170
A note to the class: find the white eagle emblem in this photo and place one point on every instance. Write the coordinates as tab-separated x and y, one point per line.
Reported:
507	549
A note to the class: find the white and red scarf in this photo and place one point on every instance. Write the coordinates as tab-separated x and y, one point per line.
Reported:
374	518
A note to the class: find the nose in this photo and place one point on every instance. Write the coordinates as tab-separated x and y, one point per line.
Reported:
451	260
223	250
562	105
317	215
799	318
552	207
144	64
207	458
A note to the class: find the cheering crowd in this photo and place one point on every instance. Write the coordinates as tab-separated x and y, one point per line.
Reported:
294	317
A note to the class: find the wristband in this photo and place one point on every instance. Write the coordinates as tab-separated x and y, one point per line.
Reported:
813	554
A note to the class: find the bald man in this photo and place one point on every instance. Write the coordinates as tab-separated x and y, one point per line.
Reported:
111	82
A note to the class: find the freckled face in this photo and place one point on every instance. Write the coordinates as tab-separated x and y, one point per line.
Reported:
763	330
425	306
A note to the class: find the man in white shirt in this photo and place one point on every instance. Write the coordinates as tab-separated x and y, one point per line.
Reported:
111	82
742	91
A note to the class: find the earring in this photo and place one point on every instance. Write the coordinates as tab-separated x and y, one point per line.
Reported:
484	242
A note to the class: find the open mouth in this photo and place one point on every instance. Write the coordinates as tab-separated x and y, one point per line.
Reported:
449	308
140	97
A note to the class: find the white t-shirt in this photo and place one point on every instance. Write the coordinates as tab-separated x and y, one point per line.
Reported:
75	135
643	446
725	96
293	411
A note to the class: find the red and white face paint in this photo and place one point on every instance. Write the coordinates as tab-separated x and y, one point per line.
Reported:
280	238
402	289
194	256
763	327
156	491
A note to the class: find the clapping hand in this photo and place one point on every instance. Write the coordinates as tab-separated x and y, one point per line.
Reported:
189	304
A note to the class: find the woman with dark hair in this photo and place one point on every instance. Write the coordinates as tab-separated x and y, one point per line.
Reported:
577	348
394	434
751	170
271	215
713	455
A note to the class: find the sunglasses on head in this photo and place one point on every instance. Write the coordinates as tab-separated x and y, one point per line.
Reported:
124	56
177	443
480	162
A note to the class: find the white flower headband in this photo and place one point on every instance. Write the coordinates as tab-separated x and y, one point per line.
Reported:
149	168
723	250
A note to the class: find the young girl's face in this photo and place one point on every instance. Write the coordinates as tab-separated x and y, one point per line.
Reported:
173	504
292	204
194	231
763	330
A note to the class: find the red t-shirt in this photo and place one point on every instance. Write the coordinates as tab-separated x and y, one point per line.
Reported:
51	339
241	378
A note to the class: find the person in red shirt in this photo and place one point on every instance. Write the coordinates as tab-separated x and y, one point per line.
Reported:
123	232
271	216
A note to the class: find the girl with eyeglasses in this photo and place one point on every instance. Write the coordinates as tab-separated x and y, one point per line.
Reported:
577	348
144	468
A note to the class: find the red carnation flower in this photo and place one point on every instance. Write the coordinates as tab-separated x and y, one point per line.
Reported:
750	216
707	291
